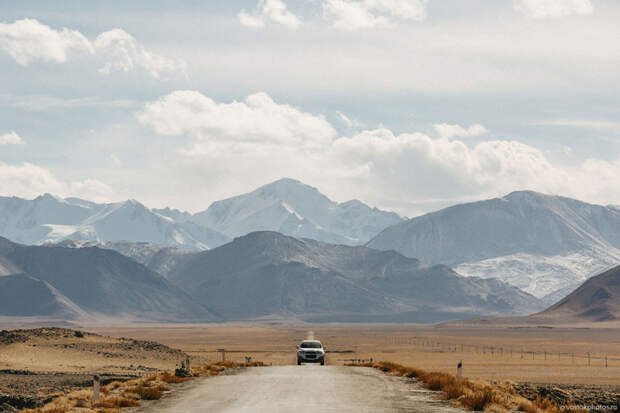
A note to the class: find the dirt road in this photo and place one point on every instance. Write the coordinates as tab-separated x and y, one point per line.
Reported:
302	389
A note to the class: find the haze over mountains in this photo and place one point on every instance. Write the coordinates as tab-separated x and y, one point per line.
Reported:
546	245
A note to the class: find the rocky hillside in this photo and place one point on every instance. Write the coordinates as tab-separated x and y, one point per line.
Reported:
269	274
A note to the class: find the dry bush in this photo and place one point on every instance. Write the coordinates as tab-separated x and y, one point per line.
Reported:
477	400
546	405
61	405
112	385
116	402
438	381
496	408
527	406
453	391
168	377
146	393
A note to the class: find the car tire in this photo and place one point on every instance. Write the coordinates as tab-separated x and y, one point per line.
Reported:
322	362
299	362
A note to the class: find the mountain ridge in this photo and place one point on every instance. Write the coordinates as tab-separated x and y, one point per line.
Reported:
540	243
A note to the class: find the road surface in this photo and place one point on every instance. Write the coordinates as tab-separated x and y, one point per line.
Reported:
308	388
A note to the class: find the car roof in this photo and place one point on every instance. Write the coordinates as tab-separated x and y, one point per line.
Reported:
311	341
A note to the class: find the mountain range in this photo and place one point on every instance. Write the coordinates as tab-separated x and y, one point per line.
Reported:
287	206
51	219
546	245
286	250
88	283
265	274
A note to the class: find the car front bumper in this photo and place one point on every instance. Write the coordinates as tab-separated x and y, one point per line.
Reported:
311	358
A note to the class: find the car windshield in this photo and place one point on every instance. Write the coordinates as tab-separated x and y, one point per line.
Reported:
310	344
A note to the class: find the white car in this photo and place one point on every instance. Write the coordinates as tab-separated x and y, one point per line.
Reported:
310	351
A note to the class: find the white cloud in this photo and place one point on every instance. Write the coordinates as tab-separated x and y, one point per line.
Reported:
258	119
120	51
361	14
28	180
269	10
231	142
539	9
11	138
447	131
27	40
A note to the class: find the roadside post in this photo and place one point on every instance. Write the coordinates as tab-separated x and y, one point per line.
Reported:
459	370
96	388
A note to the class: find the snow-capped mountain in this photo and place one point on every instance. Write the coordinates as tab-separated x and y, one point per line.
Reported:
293	208
50	219
287	206
546	245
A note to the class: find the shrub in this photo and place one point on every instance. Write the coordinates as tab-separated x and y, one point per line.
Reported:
453	391
117	402
496	408
477	400
438	381
146	393
527	406
168	377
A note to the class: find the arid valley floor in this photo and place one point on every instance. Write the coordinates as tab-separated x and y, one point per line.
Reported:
535	356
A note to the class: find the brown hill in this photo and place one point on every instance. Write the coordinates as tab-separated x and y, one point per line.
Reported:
598	299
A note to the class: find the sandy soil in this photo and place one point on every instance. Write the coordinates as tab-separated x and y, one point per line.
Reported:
490	353
539	359
36	365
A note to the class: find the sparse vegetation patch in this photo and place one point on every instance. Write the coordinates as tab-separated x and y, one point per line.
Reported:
471	394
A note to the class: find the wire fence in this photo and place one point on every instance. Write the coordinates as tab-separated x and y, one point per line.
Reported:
433	345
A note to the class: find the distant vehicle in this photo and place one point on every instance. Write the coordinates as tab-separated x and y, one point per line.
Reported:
310	351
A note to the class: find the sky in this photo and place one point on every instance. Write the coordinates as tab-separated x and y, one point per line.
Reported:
407	105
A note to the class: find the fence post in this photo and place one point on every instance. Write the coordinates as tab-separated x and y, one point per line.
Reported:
95	388
459	370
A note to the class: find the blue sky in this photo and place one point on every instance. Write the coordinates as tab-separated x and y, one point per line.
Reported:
408	105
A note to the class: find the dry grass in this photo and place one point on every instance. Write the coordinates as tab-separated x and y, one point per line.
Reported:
118	395
146	393
472	395
170	378
213	369
116	402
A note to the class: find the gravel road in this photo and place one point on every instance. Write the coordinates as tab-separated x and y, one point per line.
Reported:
308	388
